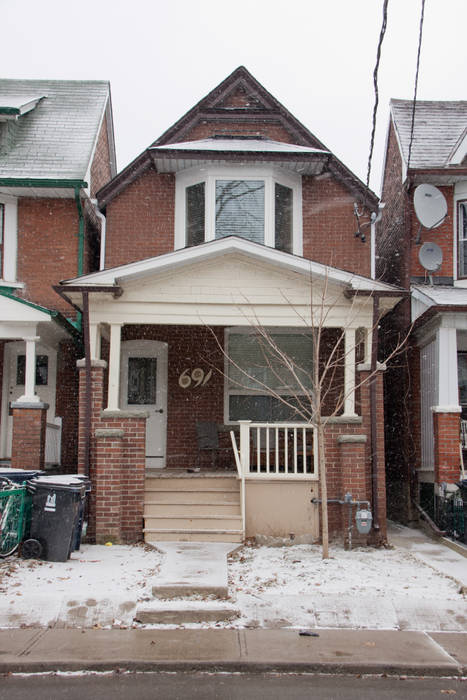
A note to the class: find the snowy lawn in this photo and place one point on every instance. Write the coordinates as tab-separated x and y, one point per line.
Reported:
269	586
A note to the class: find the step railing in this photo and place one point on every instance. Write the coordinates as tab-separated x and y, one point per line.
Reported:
276	451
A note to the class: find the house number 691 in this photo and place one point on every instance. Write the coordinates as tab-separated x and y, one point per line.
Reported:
197	376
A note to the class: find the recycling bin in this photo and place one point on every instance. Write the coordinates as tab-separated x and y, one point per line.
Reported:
55	515
82	511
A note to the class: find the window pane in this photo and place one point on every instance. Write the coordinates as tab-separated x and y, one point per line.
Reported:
283	217
42	370
142	380
195	204
462	228
462	377
240	209
262	409
263	361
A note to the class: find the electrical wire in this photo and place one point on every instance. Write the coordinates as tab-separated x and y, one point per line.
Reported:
412	128
375	84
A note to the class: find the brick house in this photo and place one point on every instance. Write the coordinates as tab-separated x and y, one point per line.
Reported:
426	393
56	151
236	219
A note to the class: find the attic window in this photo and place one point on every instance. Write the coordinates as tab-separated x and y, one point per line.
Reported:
259	204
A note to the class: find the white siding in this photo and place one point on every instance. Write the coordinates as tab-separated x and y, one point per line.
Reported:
429	398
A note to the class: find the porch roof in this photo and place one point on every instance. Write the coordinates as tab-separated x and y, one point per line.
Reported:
437	299
221	247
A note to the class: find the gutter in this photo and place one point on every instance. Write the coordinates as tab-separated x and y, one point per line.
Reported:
103	221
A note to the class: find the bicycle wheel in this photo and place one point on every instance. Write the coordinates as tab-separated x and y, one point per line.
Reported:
10	525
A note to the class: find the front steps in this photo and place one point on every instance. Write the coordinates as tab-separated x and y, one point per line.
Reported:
185	507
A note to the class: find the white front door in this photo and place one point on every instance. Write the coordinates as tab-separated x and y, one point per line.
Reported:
13	384
144	386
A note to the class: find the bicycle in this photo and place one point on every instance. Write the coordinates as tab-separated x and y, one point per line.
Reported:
14	501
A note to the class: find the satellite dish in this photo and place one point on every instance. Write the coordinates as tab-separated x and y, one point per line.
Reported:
430	206
430	256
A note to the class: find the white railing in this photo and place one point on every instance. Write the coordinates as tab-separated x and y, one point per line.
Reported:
242	480
277	450
53	441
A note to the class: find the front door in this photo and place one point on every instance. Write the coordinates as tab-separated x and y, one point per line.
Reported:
13	384
144	386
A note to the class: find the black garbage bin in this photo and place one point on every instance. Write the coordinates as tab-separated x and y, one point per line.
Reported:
20	475
81	512
55	513
463	489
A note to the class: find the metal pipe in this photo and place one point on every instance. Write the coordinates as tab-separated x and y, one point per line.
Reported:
87	405
373	421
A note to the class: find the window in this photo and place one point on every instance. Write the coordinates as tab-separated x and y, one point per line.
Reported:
254	363
2	226
462	237
260	204
42	370
142	372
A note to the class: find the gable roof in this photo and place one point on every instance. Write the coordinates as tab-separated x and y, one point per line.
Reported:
239	99
49	128
440	130
221	247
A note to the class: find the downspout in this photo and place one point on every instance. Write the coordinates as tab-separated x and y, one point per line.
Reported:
375	218
87	406
373	421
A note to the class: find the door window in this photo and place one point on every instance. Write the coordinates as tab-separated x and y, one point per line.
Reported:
142	380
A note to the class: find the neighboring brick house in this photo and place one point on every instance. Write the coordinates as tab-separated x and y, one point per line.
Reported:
236	217
426	389
56	151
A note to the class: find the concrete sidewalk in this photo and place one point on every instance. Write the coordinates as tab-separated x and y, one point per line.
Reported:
327	651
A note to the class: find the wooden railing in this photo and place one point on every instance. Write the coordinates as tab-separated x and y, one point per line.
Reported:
276	450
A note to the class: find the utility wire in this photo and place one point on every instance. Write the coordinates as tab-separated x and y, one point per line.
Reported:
375	83
412	128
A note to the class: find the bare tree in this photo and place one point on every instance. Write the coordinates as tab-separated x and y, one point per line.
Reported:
310	392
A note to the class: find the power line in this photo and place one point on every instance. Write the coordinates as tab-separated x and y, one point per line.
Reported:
412	128
375	83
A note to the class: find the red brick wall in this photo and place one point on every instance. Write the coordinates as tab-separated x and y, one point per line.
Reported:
329	226
47	248
100	167
28	446
446	427
67	403
140	220
275	132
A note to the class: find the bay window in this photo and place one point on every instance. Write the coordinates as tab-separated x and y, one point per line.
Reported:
462	237
261	204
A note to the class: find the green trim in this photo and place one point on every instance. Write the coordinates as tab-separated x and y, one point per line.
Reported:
69	326
10	110
56	183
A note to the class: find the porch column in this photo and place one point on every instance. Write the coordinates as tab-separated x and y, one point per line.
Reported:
349	372
95	340
30	372
113	403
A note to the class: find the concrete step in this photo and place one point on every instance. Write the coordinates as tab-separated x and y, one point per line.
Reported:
201	522
180	614
154	535
192	482
183	510
192	496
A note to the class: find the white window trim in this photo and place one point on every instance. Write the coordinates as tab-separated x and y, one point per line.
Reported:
247	392
209	175
10	239
460	195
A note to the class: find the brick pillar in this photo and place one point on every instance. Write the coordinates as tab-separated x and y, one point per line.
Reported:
353	479
29	428
107	468
446	430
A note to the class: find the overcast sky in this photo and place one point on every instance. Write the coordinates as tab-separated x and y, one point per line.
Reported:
315	56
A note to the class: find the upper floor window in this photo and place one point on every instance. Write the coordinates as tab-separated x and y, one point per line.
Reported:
462	237
2	226
262	205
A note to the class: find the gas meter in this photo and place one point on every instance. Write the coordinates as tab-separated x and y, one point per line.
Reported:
363	519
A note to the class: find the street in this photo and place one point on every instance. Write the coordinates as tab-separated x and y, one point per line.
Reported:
225	686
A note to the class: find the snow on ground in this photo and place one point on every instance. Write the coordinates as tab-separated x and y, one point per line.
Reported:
270	587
